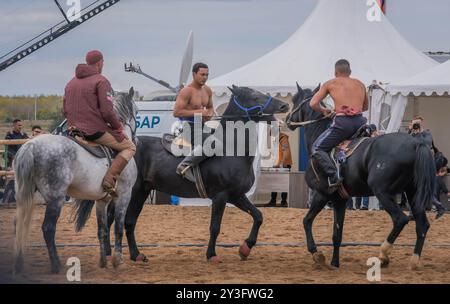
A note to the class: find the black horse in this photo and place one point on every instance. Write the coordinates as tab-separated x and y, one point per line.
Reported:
383	166
226	178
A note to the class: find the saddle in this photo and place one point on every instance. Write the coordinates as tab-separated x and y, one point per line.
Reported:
93	148
344	150
172	143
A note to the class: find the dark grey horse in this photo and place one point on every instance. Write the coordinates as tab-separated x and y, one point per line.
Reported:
383	166
226	178
56	166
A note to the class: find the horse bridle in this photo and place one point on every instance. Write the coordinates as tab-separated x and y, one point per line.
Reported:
247	110
303	123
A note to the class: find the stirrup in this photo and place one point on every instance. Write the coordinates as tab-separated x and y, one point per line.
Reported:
183	172
335	186
110	190
188	174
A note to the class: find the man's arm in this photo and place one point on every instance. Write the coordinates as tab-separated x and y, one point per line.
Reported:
180	109
366	102
210	106
320	95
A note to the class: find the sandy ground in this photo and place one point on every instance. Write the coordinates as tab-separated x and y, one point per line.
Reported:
171	225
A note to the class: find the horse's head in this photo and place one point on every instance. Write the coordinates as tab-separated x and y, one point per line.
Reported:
253	105
126	110
302	111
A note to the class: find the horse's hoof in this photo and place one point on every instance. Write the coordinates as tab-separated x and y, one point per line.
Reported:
117	260
141	258
102	263
318	258
414	263
215	260
244	251
334	265
17	269
55	269
384	261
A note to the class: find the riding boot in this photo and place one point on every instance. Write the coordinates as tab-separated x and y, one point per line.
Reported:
328	167
109	181
185	167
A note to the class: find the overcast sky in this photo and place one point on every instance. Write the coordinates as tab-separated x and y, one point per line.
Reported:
153	33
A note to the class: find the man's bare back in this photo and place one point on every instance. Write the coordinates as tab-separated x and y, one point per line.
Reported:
346	92
349	92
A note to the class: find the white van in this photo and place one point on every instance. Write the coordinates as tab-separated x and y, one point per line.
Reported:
155	118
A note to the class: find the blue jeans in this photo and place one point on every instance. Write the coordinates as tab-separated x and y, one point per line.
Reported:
362	202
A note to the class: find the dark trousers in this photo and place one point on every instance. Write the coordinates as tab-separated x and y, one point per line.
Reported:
361	202
342	128
9	196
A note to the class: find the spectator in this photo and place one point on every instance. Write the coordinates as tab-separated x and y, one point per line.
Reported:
417	130
9	195
440	187
15	133
362	203
2	184
36	130
284	161
349	204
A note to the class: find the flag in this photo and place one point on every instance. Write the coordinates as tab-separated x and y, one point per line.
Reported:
382	4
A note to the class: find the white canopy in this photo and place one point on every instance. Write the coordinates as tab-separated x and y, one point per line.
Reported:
432	81
335	30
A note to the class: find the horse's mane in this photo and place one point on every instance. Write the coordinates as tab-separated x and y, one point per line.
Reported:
126	109
124	106
307	112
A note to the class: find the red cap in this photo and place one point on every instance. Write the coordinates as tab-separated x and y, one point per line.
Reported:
93	57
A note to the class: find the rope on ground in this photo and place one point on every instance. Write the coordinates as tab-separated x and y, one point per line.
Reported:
323	244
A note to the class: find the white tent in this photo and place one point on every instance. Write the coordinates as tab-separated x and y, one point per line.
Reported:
335	30
429	96
356	30
433	81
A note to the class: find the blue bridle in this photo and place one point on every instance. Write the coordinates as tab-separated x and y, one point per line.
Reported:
247	110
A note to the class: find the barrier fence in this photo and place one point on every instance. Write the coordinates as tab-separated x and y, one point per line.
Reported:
6	143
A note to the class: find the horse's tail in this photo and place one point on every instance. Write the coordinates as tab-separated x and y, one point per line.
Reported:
81	212
25	189
424	176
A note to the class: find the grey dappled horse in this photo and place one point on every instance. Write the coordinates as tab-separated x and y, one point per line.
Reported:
56	166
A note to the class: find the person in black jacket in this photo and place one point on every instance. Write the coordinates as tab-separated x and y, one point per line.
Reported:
440	186
15	133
